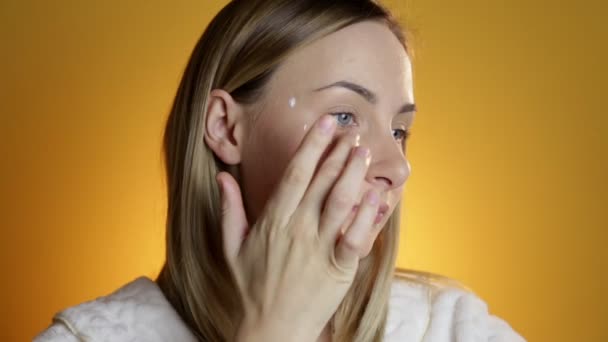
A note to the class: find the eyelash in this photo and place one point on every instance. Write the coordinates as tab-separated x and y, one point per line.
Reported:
406	132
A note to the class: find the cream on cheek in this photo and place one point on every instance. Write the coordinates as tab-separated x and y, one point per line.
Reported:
292	105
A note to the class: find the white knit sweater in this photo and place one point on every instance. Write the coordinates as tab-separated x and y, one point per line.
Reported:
139	312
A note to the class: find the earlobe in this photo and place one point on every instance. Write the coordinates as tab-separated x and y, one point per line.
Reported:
223	131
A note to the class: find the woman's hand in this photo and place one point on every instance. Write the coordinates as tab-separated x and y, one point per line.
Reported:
293	267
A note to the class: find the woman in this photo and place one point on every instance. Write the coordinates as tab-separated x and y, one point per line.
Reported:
285	155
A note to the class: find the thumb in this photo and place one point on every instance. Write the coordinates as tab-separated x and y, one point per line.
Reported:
234	221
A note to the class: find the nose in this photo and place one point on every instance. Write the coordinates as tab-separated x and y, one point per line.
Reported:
389	168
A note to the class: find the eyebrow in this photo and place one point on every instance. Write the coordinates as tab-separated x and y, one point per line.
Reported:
367	94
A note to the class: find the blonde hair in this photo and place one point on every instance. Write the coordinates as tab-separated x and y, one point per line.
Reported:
238	52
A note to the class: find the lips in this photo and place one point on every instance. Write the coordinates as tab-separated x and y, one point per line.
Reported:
382	210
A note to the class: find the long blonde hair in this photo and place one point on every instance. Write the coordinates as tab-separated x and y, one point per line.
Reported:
238	52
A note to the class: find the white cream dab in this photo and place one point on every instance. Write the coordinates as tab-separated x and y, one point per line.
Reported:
292	102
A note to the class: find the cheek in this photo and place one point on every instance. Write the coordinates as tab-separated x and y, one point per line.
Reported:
283	147
266	155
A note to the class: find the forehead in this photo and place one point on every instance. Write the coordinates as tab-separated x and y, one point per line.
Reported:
366	53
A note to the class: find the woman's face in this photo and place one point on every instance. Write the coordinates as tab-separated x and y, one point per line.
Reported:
361	74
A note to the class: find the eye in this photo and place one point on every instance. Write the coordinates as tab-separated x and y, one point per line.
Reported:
401	134
344	118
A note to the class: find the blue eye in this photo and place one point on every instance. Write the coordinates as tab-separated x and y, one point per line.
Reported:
344	118
401	134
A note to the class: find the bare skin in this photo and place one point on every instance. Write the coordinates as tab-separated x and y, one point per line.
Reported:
299	183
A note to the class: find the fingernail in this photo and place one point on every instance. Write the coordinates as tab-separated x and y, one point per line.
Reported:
327	124
362	151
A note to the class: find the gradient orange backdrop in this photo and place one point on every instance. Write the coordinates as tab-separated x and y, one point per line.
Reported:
509	152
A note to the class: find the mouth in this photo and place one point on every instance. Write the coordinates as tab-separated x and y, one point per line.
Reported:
382	210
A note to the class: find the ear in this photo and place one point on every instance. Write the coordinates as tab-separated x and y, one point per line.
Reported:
225	126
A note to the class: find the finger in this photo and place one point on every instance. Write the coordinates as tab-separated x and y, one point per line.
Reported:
300	170
328	173
344	195
350	247
233	219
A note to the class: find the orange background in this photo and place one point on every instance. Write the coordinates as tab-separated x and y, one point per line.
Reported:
508	191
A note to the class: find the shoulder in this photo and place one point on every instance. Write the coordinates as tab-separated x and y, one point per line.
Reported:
431	308
136	312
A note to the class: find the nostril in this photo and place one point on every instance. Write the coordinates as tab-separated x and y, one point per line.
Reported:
385	180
